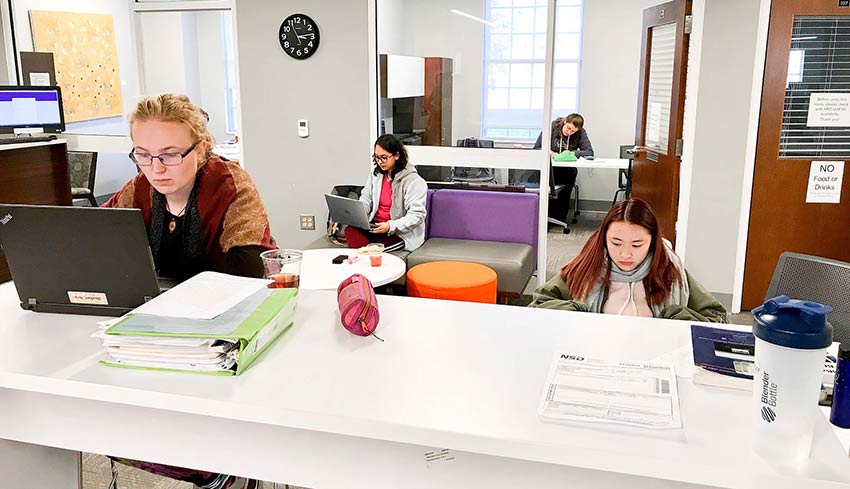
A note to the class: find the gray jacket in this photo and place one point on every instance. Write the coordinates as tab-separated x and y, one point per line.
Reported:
407	212
577	142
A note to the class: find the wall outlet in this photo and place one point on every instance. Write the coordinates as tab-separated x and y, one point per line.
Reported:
308	223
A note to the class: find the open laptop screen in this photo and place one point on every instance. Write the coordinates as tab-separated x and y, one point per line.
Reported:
82	260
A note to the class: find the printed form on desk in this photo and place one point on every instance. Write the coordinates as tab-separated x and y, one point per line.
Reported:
641	394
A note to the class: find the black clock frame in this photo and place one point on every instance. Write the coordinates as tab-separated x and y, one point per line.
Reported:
290	39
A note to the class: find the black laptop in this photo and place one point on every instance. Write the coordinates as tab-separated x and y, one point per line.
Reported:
78	260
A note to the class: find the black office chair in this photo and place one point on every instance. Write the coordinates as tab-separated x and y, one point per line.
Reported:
817	279
81	172
624	177
473	175
554	192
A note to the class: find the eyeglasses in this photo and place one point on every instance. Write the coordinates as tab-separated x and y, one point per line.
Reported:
382	158
167	159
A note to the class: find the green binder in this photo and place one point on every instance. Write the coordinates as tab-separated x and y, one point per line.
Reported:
247	329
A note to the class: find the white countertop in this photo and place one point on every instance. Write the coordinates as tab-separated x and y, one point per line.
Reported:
457	375
6	147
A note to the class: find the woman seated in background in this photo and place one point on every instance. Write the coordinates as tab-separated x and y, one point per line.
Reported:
567	134
627	268
202	212
394	195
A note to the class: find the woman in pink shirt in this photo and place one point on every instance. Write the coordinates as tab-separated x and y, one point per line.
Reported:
394	195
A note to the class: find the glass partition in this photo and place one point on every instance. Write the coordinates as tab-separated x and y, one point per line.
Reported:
471	72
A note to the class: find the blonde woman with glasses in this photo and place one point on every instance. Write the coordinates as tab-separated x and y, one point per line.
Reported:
394	195
202	211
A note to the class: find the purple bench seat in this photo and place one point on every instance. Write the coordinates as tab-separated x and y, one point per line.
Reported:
496	229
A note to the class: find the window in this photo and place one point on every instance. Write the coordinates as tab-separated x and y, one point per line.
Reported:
796	58
817	63
514	66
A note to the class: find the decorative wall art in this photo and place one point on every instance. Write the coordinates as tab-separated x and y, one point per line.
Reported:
86	60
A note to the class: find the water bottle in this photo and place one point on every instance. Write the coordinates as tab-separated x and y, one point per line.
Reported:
839	415
791	341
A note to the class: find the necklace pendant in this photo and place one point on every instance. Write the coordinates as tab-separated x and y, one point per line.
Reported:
172	225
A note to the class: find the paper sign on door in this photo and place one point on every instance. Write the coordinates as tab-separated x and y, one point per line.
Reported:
829	110
825	179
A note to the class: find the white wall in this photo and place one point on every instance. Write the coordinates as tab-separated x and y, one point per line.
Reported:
184	53
211	72
723	109
608	92
164	58
330	89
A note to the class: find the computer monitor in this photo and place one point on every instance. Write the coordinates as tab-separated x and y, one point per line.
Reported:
31	110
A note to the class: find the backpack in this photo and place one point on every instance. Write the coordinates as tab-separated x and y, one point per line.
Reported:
336	231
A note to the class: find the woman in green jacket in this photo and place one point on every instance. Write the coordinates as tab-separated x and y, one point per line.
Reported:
627	268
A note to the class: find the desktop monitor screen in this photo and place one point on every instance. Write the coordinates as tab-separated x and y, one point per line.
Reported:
24	108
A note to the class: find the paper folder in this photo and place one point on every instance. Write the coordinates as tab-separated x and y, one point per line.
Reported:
164	343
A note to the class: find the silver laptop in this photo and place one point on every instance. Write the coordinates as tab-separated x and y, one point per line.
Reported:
78	260
348	211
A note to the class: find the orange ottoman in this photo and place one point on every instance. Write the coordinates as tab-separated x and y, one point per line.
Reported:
452	280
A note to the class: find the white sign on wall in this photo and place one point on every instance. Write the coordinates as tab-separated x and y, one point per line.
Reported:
825	179
829	110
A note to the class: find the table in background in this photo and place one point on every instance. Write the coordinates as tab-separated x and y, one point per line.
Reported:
317	271
326	409
601	164
596	163
33	173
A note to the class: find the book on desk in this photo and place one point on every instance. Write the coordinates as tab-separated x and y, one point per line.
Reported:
224	345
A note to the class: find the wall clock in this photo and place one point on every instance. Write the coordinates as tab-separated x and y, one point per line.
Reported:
299	36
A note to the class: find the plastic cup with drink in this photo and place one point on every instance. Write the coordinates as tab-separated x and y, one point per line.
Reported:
791	341
282	266
376	253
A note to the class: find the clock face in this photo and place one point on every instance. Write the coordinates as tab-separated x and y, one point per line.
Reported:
299	36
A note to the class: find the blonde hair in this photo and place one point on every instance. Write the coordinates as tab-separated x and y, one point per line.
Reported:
169	107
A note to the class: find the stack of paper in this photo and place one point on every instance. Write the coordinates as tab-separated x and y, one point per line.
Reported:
203	355
634	393
212	323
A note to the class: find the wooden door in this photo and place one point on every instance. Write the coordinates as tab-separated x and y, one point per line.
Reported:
808	52
661	107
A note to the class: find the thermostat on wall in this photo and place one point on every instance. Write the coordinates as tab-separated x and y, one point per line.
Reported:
303	128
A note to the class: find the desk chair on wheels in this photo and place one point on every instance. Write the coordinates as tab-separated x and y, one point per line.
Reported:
624	177
554	192
817	279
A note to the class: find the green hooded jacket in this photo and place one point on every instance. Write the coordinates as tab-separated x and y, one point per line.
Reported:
702	306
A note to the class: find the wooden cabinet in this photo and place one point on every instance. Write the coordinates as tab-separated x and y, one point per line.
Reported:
34	173
437	103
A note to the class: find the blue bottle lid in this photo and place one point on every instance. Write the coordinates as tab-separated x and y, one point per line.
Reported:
793	323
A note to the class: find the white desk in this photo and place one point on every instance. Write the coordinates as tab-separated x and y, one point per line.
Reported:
326	409
598	163
317	271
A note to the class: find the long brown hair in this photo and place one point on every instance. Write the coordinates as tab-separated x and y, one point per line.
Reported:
593	261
